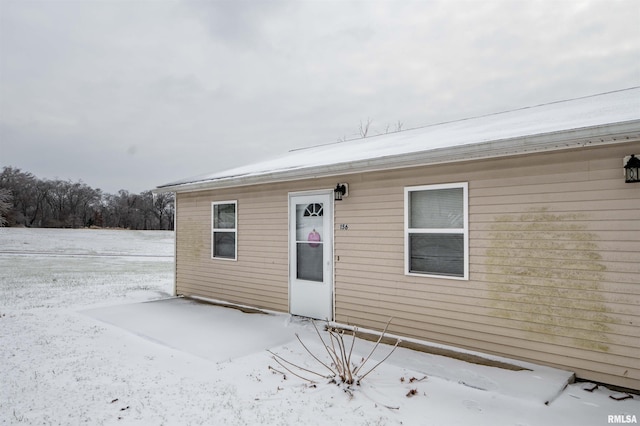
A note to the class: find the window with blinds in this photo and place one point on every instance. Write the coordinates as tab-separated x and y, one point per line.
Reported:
436	230
224	230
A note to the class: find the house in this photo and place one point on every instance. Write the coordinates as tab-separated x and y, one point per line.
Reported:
513	234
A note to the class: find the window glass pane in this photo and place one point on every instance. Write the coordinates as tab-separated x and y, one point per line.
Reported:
224	216
438	254
314	209
309	261
224	244
309	227
436	208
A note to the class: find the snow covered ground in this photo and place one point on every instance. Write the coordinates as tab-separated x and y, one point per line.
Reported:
90	335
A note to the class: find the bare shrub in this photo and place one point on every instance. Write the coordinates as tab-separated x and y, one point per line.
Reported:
340	368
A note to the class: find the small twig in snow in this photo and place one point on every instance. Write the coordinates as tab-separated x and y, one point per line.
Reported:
284	376
295	365
297	375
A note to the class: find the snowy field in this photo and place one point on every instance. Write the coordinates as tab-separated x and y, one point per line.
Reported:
90	335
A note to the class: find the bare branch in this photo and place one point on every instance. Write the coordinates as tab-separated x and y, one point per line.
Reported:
374	348
284	376
364	128
315	357
336	348
297	366
323	342
353	341
383	360
285	367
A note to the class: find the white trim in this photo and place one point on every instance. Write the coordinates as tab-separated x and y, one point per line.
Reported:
464	231
331	218
234	230
175	244
312	192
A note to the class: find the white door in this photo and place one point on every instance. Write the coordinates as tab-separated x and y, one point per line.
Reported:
311	255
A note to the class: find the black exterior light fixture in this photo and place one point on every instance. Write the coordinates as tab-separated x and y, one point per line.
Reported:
632	170
342	190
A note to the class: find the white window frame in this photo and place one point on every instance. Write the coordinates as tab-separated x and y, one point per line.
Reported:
230	230
464	231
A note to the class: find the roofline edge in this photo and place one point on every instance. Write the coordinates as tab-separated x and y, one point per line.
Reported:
546	142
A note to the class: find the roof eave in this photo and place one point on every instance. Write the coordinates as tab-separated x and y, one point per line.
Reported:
561	140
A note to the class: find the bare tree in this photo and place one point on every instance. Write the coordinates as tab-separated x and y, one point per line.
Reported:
147	210
397	128
5	206
126	205
163	208
21	185
28	201
364	127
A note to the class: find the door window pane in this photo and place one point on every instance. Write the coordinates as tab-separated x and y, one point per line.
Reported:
309	226
309	241
309	261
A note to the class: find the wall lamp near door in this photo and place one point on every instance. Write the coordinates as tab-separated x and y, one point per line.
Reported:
631	170
342	190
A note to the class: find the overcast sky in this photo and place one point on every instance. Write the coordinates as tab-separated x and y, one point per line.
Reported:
135	94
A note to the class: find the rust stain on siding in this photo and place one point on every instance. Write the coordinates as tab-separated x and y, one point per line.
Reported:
547	274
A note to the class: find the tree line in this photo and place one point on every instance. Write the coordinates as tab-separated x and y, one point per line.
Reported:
26	200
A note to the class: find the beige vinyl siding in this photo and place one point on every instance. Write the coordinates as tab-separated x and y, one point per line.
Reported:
554	261
259	276
554	258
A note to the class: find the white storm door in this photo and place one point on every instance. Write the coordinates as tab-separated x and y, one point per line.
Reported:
311	255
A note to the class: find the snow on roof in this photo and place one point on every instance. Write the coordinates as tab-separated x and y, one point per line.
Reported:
544	127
